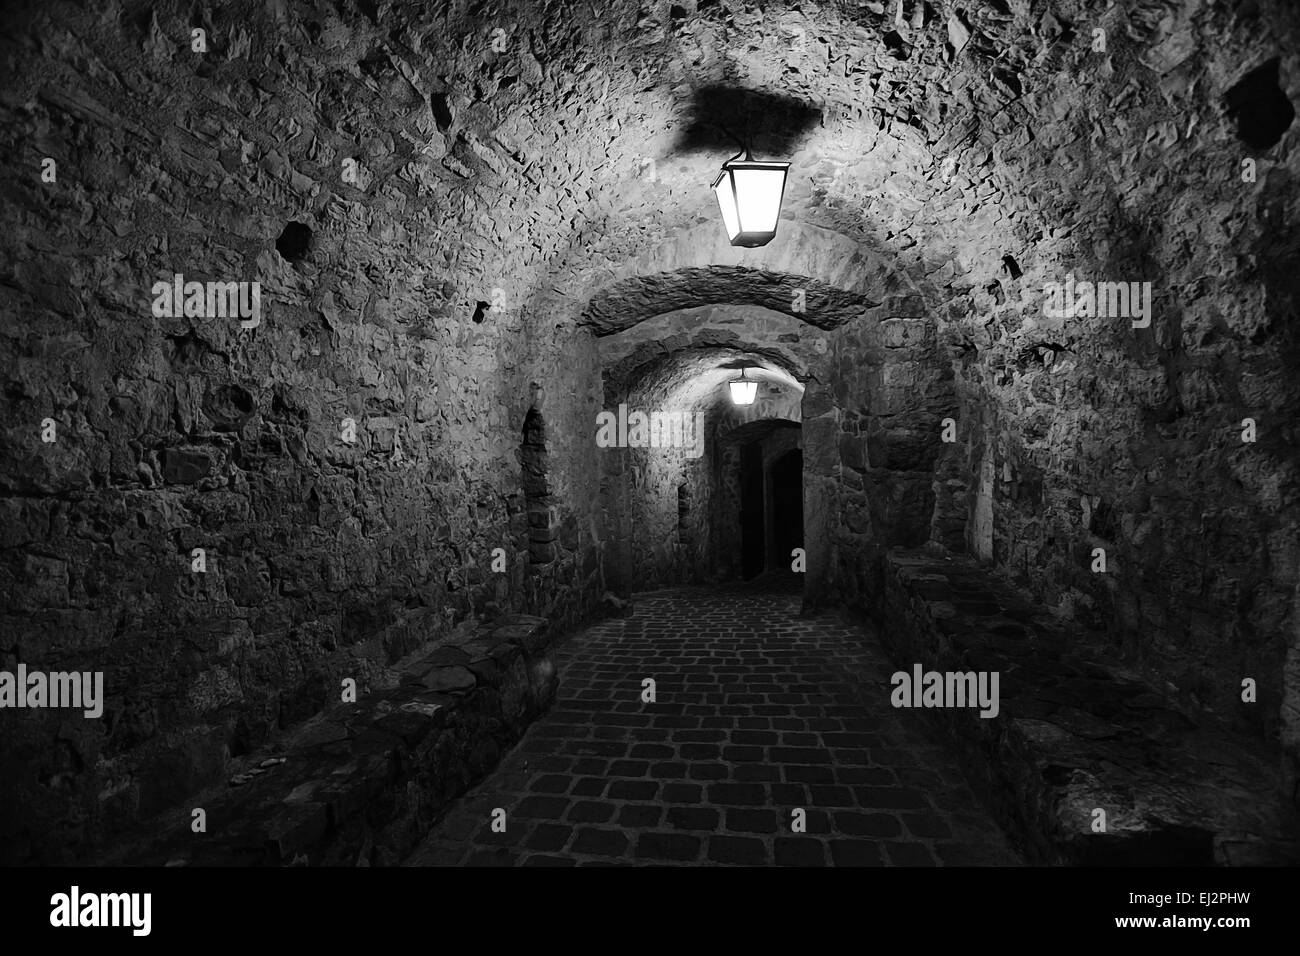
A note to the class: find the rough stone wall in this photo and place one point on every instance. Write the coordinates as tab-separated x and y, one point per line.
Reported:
725	538
696	492
1088	432
650	483
894	387
325	557
660	558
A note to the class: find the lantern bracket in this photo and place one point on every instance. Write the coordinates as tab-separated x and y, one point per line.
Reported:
744	144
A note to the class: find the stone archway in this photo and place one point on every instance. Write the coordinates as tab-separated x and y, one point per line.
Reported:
815	275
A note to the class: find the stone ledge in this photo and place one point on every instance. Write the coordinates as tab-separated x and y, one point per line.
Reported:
361	784
1076	732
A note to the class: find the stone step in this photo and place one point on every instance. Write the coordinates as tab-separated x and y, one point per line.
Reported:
1077	732
361	784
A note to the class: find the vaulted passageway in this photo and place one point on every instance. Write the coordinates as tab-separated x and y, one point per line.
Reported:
323	556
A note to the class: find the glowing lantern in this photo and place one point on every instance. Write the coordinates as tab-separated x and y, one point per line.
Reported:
743	390
749	195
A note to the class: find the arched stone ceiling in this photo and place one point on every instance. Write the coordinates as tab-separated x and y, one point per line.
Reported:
626	303
538	148
788	341
868	169
694	378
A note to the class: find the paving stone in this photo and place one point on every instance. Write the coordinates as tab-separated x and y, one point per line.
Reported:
868	824
799	851
667	846
638	816
808	774
546	808
891	798
708	771
823	796
551	783
589	811
700	751
789	794
738	794
633	790
681	793
752	821
628	768
600	842
548	837
509	837
693	818
743	851
756	773
854	853
589	786
653	752
669	771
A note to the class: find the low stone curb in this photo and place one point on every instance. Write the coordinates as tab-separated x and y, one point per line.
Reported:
361	784
1076	733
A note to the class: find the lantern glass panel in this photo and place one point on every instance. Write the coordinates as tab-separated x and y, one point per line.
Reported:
758	198
743	391
727	204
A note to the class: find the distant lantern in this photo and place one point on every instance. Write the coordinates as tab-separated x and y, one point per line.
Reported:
743	390
749	195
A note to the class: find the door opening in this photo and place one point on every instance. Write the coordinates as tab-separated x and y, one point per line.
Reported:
752	526
787	507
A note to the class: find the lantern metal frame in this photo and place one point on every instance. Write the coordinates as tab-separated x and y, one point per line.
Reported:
752	238
752	390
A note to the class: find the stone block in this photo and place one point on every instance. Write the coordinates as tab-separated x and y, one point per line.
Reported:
448	679
296	827
185	466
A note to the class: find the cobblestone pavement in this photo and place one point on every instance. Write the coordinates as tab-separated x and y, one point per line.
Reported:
758	712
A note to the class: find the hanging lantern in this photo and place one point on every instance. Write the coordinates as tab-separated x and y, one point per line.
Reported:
743	390
749	195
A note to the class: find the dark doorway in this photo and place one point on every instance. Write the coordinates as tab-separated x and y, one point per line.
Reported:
752	530
537	490
787	506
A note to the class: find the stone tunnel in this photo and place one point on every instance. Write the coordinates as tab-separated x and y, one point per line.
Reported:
375	490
